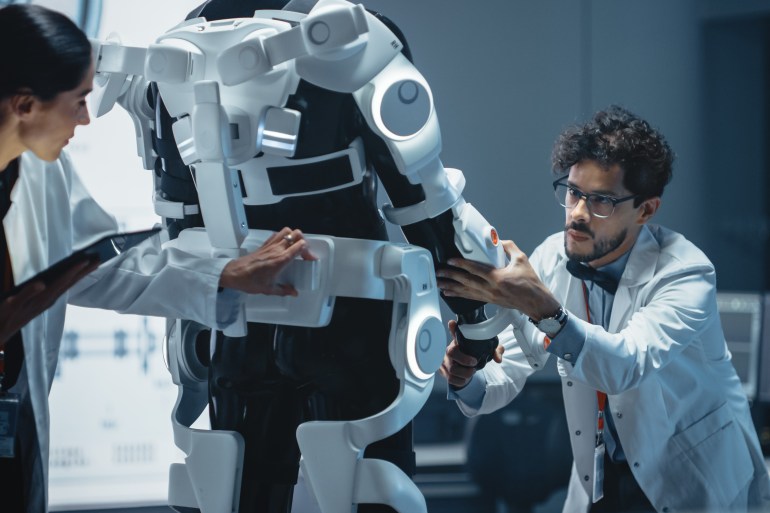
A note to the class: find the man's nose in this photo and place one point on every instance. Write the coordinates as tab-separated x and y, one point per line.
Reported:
580	212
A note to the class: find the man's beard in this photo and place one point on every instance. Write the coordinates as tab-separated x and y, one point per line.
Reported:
602	247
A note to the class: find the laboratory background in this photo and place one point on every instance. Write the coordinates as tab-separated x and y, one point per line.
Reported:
507	77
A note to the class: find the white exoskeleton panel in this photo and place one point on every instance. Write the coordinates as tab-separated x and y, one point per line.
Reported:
227	83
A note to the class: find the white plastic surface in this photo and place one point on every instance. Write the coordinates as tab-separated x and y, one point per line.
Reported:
476	238
227	83
354	268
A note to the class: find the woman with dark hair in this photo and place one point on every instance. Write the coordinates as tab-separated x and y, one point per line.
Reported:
46	212
42	100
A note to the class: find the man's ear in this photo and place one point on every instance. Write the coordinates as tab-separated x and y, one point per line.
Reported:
647	209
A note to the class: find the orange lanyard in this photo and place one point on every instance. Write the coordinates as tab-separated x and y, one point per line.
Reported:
601	397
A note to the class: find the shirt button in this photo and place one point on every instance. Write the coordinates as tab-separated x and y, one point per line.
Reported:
665	509
587	478
578	432
568	356
619	415
636	464
569	383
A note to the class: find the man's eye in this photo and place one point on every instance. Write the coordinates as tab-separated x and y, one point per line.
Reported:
601	200
574	193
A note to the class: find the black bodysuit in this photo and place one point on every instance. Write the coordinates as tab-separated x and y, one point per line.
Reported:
266	384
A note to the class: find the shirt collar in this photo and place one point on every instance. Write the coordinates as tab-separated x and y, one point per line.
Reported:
616	267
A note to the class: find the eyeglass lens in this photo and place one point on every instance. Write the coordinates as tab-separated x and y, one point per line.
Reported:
568	197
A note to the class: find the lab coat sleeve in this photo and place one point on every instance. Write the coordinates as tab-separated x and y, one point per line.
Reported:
503	381
680	306
89	221
146	280
167	283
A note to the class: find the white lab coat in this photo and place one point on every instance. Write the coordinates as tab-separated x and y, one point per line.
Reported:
52	213
678	405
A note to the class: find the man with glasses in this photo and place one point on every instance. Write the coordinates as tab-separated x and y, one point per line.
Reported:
657	417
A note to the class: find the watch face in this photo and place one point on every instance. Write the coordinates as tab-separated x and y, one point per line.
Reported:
549	325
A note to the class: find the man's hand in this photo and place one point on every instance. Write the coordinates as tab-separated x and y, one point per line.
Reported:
36	297
458	368
513	286
256	273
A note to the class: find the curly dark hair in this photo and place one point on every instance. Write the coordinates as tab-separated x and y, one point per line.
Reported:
615	136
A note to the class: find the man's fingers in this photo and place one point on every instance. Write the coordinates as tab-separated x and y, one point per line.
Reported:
454	352
453	275
475	268
454	374
511	249
512	245
452	289
452	325
459	375
498	354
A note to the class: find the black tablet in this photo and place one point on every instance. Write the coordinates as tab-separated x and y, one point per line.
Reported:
102	250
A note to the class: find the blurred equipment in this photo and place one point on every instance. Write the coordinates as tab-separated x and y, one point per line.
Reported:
746	322
520	455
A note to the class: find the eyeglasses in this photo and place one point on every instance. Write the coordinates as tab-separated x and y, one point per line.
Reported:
599	205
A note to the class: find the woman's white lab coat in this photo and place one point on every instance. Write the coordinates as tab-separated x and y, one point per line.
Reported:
677	403
52	213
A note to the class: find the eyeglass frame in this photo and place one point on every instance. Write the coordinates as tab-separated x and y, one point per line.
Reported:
587	197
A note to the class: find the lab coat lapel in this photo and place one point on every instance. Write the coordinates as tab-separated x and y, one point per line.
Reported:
640	268
573	299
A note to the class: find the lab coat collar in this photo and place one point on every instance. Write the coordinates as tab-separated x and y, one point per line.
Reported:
640	269
641	262
28	201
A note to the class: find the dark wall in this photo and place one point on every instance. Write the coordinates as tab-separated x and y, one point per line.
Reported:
735	149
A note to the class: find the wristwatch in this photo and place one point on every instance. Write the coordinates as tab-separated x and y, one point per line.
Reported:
552	324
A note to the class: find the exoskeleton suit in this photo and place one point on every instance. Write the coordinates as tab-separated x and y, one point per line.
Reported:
255	117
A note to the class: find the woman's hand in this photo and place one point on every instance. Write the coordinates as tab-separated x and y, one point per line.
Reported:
36	297
257	272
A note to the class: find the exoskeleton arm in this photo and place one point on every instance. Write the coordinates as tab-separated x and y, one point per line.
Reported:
398	107
120	79
397	104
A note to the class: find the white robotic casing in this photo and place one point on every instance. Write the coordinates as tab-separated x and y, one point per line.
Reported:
227	83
